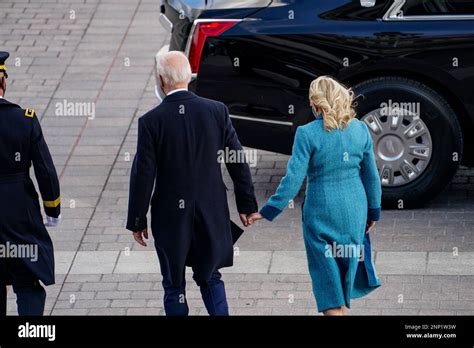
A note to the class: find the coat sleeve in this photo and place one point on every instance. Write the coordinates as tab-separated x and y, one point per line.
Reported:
45	171
142	179
371	180
239	172
291	183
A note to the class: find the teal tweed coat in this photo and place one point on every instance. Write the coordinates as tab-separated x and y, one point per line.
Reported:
343	192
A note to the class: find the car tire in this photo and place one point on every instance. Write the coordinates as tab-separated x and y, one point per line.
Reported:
444	132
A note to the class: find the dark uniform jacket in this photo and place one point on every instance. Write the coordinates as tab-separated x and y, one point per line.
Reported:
178	144
21	222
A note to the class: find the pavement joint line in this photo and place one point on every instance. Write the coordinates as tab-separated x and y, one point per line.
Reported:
427	257
116	157
52	98
95	207
70	59
118	257
270	263
99	91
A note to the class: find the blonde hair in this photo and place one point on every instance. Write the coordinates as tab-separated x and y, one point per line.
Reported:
334	100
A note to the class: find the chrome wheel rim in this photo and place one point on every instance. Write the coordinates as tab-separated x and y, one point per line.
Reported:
402	144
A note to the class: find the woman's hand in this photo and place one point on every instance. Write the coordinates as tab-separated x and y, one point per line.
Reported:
254	217
369	226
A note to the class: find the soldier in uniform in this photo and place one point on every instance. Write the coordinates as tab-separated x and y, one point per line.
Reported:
26	250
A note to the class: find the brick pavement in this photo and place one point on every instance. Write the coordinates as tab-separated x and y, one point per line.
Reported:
100	52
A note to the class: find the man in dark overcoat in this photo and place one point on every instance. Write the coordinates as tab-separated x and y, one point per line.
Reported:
181	144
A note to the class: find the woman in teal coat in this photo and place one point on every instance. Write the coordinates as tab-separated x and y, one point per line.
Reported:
343	197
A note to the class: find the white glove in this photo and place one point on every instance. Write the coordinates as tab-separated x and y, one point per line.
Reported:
52	222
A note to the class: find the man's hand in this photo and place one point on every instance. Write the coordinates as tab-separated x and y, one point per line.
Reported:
139	236
244	219
254	217
370	225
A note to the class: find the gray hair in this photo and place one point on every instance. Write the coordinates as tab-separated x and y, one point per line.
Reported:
173	67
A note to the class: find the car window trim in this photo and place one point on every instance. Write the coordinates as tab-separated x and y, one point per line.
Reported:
262	120
392	15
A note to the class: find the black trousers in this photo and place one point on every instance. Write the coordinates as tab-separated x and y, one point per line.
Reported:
30	299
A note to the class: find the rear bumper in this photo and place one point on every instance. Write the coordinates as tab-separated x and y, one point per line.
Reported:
165	23
168	26
158	94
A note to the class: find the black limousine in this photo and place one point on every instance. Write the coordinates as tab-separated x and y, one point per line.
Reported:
410	62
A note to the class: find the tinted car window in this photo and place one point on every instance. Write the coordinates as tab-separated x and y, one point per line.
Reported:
354	10
438	7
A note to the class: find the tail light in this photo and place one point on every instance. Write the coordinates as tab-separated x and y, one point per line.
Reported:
202	31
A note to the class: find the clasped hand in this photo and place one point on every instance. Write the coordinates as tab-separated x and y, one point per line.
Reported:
250	219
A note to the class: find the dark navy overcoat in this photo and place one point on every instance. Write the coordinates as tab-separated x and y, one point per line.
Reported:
179	143
26	250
